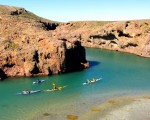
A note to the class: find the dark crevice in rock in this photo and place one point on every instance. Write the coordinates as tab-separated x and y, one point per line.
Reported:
48	56
35	69
36	56
18	11
129	45
121	34
49	71
114	42
49	26
75	57
2	75
127	24
7	59
24	59
132	44
138	35
9	65
109	36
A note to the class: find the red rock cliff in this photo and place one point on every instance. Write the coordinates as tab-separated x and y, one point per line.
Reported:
28	45
126	36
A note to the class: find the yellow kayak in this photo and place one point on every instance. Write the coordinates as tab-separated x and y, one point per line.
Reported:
58	88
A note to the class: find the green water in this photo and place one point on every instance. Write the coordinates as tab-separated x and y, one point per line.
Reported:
123	74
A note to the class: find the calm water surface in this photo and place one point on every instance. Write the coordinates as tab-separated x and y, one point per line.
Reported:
123	74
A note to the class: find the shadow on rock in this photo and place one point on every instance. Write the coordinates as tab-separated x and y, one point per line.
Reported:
2	75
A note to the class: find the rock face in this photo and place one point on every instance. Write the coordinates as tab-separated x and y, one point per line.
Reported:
126	36
28	46
129	36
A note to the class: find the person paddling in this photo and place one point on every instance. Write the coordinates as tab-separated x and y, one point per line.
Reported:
38	81
26	91
94	80
88	81
54	87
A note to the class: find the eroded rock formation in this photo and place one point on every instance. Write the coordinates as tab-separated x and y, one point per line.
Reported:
28	46
126	36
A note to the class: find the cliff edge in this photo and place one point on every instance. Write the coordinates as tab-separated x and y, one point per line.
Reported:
29	47
125	36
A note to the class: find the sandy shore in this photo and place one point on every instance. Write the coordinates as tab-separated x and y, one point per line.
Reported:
125	108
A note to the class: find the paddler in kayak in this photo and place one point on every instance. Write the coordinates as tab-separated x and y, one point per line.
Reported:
26	92
88	81
38	81
94	80
54	87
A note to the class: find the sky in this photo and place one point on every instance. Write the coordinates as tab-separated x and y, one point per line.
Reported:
89	10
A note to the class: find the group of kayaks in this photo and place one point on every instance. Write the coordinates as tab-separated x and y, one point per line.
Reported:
26	92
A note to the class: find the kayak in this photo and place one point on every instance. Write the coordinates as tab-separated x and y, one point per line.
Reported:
59	88
92	81
38	81
28	92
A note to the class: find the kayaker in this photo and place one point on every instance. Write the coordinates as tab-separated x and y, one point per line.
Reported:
88	81
54	87
38	81
94	80
27	91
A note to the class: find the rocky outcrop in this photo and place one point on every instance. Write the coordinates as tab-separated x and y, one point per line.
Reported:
8	10
29	46
127	36
130	36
